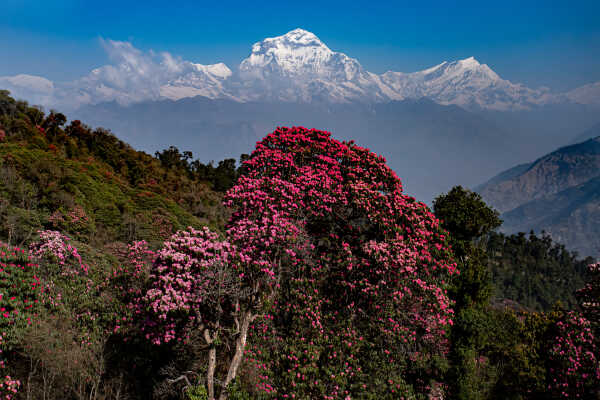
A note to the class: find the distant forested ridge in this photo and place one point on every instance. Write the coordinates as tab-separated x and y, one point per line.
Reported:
558	193
534	271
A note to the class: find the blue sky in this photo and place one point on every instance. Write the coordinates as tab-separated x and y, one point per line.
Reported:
556	44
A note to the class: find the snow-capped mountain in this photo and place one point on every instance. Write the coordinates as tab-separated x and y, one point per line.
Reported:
201	80
295	67
298	66
466	83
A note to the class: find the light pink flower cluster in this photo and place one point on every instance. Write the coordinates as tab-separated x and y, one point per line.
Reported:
55	245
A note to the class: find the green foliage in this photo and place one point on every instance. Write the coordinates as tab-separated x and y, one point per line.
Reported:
92	185
534	271
221	178
466	216
197	392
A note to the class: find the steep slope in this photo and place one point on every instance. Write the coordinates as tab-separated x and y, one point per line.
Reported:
558	193
89	184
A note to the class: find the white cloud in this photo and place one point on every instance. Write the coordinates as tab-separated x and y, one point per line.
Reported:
131	76
35	89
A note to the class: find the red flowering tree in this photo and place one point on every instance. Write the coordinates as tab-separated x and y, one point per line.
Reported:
336	277
364	309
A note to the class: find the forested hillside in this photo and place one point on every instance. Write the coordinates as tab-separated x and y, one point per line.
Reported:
90	184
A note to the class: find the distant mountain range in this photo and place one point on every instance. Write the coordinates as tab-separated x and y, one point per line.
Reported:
558	193
295	67
455	123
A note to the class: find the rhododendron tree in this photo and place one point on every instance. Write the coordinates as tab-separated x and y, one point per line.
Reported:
337	277
56	247
364	308
201	284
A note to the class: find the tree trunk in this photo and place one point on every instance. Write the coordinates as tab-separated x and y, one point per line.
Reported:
240	346
212	363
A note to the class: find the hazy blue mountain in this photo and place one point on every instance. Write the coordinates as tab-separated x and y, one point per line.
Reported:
558	193
431	146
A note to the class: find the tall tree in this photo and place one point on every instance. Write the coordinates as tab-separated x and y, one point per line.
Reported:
468	219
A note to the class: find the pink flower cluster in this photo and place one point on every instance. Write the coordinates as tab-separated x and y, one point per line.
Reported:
8	386
55	245
368	256
574	361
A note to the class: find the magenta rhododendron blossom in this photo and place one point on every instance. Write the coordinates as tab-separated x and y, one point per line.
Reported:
55	245
574	359
372	271
324	262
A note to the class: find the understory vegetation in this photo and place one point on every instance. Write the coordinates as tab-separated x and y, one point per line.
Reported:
303	271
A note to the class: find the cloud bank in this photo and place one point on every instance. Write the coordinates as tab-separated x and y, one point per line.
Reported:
131	76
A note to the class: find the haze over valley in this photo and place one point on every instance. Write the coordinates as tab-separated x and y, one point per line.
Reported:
455	123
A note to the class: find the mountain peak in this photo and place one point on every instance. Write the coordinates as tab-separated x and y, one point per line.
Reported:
298	52
295	39
301	36
469	62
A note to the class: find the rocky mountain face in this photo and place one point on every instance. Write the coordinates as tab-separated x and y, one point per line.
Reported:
295	67
558	193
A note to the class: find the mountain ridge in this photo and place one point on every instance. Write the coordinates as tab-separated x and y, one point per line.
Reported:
558	193
294	67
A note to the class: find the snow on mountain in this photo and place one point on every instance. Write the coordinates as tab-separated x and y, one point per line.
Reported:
298	66
295	67
466	83
200	80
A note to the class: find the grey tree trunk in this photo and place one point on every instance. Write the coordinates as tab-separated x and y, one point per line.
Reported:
240	346
212	362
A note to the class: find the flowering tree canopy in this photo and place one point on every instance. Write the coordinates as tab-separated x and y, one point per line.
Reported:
368	293
337	275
